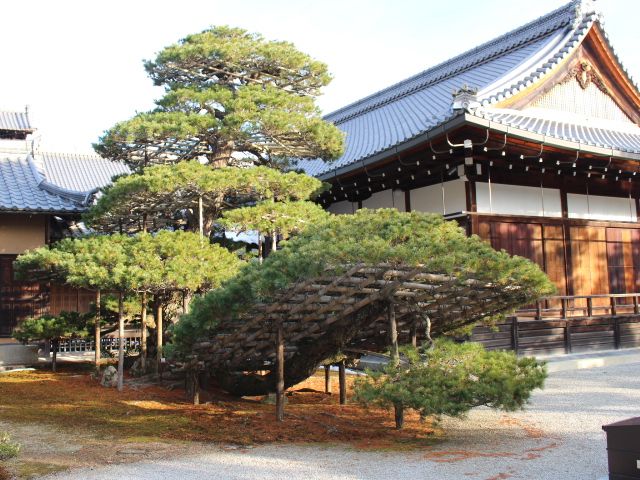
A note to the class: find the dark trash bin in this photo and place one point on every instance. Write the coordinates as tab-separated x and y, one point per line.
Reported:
623	449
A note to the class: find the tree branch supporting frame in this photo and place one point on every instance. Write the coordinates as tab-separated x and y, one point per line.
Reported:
279	373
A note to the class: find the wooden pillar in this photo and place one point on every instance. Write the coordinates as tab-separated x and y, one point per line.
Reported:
342	377
279	373
327	379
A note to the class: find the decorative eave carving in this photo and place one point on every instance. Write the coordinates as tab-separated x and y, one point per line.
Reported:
585	74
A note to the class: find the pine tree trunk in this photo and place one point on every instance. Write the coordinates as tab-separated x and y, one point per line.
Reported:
97	339
399	415
186	301
143	335
159	337
195	385
120	342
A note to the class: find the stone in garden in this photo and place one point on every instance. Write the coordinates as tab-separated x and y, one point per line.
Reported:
109	377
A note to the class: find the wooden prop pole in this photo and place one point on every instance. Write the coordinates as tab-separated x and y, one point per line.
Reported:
327	379
280	374
342	376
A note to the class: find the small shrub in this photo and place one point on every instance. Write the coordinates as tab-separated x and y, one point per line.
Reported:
8	449
450	380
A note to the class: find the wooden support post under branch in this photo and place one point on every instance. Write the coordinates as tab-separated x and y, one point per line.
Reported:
395	359
327	379
342	377
280	373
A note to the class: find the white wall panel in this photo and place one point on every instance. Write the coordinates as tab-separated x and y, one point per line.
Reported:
385	199
518	200
430	199
342	207
595	207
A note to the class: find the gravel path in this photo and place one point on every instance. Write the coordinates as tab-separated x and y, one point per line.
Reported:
559	437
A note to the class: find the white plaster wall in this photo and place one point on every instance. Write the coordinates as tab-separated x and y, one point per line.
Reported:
518	200
595	207
429	199
342	207
385	199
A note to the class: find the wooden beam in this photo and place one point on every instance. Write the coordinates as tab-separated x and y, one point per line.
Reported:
279	373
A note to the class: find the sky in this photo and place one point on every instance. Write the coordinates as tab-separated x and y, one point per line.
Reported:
78	64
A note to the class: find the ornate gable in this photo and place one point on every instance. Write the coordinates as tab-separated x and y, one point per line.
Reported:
581	92
590	83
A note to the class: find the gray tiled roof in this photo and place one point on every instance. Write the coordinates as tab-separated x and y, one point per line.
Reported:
72	174
625	138
52	182
497	69
15	121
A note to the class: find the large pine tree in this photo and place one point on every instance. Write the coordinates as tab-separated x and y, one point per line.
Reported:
231	97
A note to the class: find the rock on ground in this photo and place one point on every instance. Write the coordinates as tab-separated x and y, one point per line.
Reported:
109	377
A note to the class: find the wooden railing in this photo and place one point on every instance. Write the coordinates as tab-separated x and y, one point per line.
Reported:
568	324
566	306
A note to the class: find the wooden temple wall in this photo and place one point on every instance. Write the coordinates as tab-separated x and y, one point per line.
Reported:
21	300
579	259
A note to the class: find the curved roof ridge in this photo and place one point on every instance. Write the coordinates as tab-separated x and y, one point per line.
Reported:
565	15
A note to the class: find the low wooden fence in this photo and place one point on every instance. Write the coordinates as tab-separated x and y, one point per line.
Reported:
109	344
566	324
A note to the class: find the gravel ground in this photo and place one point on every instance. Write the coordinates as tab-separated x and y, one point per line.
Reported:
558	437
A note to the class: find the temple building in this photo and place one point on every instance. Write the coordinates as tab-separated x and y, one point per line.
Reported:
42	196
530	141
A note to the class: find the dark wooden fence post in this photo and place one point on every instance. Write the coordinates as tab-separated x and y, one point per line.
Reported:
342	378
564	309
636	305
614	307
616	332
589	307
567	336
280	373
538	310
514	334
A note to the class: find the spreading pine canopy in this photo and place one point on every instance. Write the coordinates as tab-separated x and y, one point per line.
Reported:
229	94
